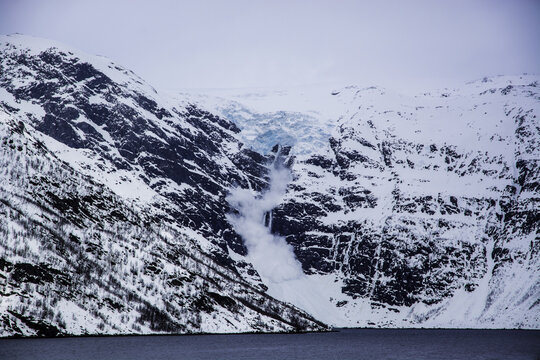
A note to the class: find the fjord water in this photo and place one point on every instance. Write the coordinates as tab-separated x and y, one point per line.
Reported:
344	344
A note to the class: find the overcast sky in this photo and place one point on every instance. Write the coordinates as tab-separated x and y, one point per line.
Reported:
251	43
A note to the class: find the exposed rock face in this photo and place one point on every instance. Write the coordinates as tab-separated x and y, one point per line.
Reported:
122	130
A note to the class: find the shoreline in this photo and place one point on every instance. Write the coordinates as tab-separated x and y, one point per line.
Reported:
333	330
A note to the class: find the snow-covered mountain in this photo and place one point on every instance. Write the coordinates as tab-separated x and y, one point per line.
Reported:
418	210
129	210
113	210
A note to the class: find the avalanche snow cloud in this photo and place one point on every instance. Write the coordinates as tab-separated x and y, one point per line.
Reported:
273	258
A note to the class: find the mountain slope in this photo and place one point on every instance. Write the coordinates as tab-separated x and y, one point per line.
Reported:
77	258
109	124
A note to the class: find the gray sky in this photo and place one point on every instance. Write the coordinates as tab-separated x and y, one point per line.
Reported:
252	43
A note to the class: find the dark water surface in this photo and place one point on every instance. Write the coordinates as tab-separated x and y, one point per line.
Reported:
342	345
